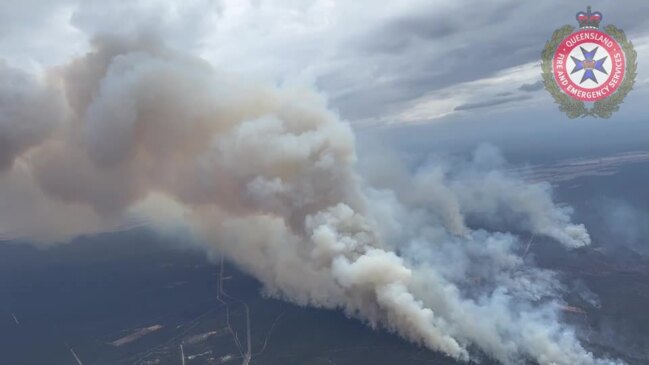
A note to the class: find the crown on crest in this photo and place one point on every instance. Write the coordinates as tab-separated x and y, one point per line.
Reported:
589	19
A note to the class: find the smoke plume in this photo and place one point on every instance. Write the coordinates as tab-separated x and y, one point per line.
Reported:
269	176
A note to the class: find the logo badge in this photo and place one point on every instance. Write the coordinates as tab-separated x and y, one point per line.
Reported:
589	65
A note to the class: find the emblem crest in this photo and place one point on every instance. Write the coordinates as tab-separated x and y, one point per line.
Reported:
589	65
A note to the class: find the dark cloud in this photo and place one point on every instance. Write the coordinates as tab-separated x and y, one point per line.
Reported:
532	87
493	102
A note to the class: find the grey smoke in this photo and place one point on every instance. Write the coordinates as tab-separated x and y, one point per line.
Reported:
621	223
268	175
29	111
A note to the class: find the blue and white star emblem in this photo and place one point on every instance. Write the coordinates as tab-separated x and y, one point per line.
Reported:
589	65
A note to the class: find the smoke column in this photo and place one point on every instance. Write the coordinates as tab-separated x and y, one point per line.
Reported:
269	176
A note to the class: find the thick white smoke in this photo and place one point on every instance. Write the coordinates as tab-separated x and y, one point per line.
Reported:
267	175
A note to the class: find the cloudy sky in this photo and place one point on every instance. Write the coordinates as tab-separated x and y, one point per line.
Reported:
403	64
